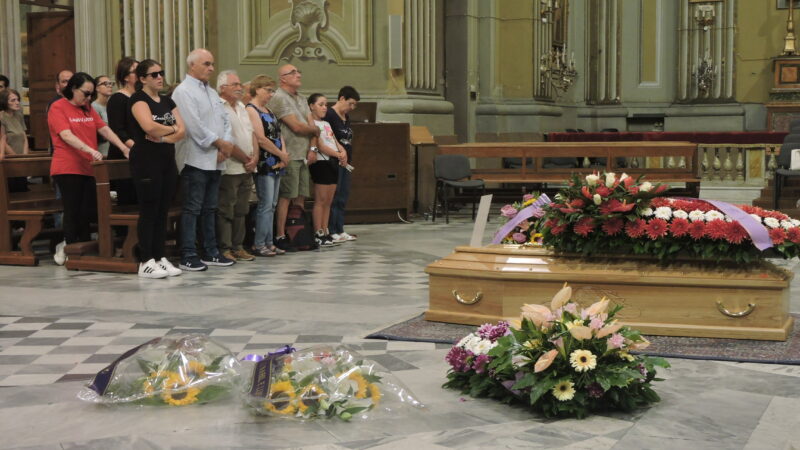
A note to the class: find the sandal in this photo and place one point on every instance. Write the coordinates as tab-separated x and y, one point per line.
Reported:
263	251
277	251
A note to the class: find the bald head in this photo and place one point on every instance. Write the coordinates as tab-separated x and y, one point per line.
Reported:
289	77
200	64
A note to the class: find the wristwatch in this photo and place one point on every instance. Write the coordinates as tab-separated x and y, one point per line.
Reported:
314	149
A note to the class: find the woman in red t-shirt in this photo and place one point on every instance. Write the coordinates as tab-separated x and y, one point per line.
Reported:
74	125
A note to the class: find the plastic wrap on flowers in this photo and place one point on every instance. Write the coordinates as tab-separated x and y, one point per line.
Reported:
325	382
173	370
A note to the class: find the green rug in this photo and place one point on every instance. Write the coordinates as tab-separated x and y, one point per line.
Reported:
418	329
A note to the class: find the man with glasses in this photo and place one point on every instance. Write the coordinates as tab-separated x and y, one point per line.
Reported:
292	110
237	179
203	153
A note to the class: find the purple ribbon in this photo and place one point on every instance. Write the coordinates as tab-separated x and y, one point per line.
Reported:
758	233
524	214
285	350
253	357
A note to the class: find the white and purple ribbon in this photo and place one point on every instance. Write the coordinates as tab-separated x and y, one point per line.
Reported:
755	229
524	214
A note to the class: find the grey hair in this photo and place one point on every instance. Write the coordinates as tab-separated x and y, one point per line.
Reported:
222	78
192	57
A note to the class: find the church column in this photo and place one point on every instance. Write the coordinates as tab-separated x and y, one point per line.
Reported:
10	46
603	43
91	43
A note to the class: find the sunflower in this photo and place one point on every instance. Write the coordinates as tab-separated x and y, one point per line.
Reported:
582	360
374	393
310	396
156	381
564	390
361	391
192	371
281	397
177	391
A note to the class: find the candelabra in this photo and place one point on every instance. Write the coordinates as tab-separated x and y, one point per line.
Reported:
704	75
704	16
553	67
547	10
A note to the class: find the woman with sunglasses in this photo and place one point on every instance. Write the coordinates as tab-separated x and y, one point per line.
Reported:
102	94
155	126
74	126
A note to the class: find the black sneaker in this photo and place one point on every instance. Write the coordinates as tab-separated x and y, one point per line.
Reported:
333	241
218	260
282	243
193	264
323	240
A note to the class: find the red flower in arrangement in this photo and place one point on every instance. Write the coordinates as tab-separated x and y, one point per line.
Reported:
736	233
603	191
697	230
656	228
577	203
636	228
794	235
777	235
558	229
717	229
628	182
615	205
747	208
568	210
775	215
659	202
679	227
661	188
586	193
584	226
550	223
633	190
613	226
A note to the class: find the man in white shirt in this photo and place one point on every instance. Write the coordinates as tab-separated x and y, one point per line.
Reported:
207	145
237	178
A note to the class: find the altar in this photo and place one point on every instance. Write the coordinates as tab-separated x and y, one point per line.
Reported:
475	285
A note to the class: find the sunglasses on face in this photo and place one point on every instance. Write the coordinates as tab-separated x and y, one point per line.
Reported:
106	83
86	93
155	75
293	72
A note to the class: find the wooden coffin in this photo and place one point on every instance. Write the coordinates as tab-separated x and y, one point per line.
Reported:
687	298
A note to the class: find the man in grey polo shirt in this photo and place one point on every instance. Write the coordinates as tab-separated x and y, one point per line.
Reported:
207	145
292	110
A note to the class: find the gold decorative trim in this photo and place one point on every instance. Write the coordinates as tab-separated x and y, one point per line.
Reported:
742	313
472	301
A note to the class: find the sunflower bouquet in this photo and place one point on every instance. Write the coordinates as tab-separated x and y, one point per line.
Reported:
562	361
174	370
323	382
520	220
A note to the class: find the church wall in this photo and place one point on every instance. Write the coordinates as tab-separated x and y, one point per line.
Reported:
760	32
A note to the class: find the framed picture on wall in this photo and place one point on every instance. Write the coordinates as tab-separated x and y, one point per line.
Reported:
784	4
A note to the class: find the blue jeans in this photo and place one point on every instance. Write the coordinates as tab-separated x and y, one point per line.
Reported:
336	220
267	188
200	196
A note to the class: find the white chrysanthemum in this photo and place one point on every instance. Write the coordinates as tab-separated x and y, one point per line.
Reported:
757	217
647	212
795	222
786	224
680	214
696	215
714	215
466	341
483	346
772	222
728	218
664	212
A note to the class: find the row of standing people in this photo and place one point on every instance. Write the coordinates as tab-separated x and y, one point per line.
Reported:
223	147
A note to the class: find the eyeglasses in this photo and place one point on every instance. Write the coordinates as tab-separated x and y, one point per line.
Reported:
293	72
86	93
106	83
233	84
155	75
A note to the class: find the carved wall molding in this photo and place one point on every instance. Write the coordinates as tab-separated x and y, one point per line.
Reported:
420	29
603	52
275	32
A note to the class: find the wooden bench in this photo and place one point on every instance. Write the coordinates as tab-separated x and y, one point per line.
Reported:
29	207
684	152
101	255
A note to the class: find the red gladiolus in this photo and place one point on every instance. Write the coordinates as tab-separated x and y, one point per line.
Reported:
656	228
577	203
794	235
697	230
584	226
737	234
679	227
636	228
717	229
558	229
777	235
613	226
603	191
586	193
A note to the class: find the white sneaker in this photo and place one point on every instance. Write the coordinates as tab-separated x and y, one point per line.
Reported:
347	237
60	256
171	269
151	269
338	238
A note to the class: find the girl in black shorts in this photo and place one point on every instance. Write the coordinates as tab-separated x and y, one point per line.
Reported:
325	157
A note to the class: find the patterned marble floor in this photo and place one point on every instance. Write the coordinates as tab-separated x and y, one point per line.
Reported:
57	327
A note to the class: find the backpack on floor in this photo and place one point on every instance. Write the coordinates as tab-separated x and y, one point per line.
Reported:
299	229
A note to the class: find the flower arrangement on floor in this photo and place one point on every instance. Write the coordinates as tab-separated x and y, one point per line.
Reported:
612	213
519	221
173	370
323	382
562	361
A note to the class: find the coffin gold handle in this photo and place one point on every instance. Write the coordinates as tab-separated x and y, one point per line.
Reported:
745	312
471	301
